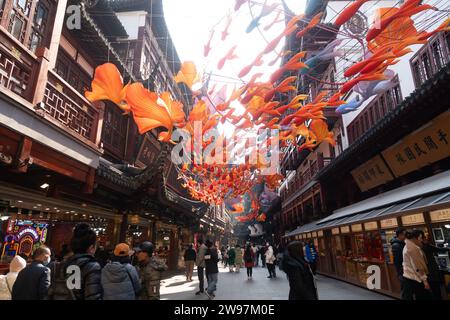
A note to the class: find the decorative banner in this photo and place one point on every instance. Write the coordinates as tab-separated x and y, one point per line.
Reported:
389	223
356	227
427	145
440	215
413	219
372	174
369	226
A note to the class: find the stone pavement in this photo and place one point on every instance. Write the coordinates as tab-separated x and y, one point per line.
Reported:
235	286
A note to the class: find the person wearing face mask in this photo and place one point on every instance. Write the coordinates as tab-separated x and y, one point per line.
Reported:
415	269
33	281
83	244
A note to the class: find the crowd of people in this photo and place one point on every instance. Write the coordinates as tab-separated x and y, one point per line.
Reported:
79	275
417	269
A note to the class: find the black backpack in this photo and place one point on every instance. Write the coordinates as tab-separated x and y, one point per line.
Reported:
58	288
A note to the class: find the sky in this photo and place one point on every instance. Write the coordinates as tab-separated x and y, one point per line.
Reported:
190	25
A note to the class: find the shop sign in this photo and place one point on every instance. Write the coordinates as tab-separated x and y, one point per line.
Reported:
440	215
314	234
345	229
31	231
335	231
372	174
320	233
427	145
356	227
309	235
389	223
147	153
413	219
369	226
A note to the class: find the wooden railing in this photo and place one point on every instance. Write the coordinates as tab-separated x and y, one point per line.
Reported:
64	104
17	64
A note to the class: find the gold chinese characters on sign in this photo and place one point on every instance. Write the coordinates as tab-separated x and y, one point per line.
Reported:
413	219
372	174
369	226
440	215
427	145
389	223
356	227
345	229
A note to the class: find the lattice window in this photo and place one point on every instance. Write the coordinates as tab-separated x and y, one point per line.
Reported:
70	71
114	130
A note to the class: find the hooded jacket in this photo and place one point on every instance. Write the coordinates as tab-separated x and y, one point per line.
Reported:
301	280
7	281
397	246
120	281
91	284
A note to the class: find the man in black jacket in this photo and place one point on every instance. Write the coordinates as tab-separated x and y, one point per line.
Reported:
34	280
83	244
212	270
397	245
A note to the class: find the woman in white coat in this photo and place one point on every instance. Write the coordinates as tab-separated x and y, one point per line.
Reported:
7	281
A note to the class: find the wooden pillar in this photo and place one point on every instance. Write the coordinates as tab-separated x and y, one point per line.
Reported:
23	155
55	37
123	226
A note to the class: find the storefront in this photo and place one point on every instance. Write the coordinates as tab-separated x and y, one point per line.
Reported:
28	219
356	237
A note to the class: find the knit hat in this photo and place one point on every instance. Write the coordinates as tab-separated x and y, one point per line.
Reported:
17	264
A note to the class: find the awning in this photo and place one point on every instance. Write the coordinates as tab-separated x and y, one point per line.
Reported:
412	191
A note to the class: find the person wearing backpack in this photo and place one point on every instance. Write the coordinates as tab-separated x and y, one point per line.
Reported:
249	257
120	280
7	281
83	244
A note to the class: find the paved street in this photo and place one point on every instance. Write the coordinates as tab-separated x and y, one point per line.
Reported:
235	286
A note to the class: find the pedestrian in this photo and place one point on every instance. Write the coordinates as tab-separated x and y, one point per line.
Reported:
238	259
263	255
83	245
255	255
120	280
7	281
270	261
200	262
397	245
435	276
189	261
225	255
150	269
311	255
33	281
231	258
249	259
415	270
212	271
302	285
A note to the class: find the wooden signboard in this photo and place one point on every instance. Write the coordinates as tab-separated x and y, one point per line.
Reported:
335	231
320	233
413	219
389	223
440	215
372	174
345	229
369	226
357	227
148	152
425	146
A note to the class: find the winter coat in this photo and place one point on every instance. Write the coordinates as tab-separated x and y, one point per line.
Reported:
32	282
211	263
238	260
414	262
190	255
150	275
120	281
231	257
200	259
91	280
270	257
249	258
397	251
302	285
7	281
